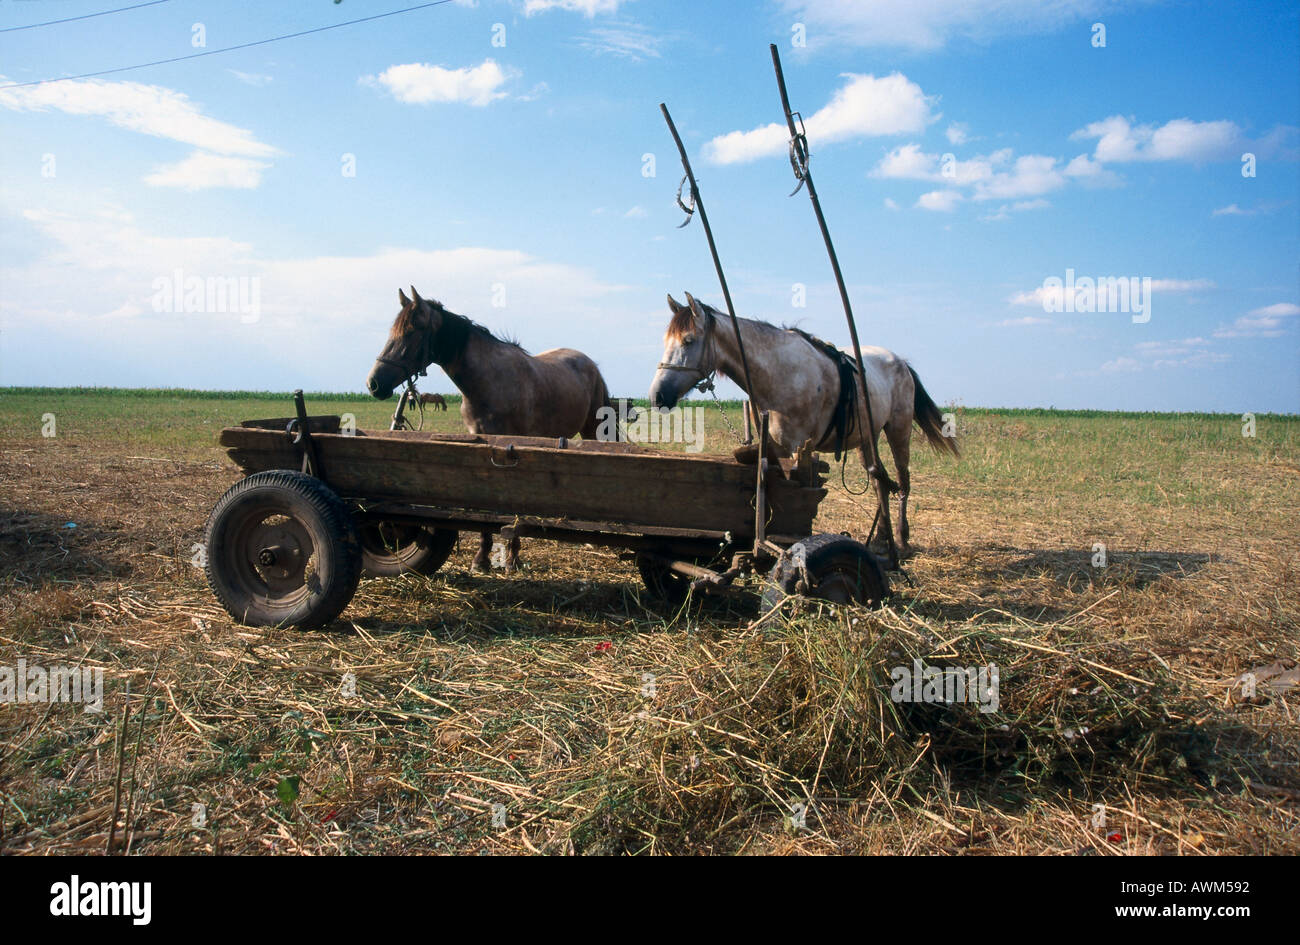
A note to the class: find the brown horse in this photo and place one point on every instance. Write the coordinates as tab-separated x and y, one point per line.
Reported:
801	381
433	400
507	390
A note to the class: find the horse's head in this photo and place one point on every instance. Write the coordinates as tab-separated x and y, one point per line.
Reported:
410	344
689	354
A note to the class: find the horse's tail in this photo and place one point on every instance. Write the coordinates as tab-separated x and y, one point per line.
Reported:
927	416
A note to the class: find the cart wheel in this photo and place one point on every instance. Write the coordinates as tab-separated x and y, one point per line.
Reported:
664	584
392	548
282	550
834	568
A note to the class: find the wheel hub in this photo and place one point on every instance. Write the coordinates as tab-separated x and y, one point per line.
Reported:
280	552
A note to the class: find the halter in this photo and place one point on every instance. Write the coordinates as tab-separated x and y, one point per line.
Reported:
424	354
705	382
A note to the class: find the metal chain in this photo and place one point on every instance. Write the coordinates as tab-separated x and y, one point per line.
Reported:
707	385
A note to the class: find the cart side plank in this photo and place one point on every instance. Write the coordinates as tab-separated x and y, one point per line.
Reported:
496	474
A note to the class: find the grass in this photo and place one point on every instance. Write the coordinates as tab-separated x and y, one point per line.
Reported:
565	702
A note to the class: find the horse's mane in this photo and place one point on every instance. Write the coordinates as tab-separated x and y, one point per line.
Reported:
682	322
452	336
825	347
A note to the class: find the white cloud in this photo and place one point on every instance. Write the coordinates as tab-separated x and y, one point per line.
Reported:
929	24
865	106
1265	322
1053	297
588	8
1278	309
91	292
537	91
628	41
993	176
1174	353
636	213
418	83
1233	210
890	204
1246	327
1090	173
1118	140
1181	285
1026	321
942	201
147	109
202	170
1031	175
1170	349
1121	365
1185	352
251	78
908	162
957	134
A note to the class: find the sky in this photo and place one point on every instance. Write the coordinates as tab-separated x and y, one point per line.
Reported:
243	220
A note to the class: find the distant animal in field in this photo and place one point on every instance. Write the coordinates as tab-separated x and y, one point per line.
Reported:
625	408
809	387
433	400
507	391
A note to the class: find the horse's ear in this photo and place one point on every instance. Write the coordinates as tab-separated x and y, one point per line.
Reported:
416	295
695	307
401	297
672	304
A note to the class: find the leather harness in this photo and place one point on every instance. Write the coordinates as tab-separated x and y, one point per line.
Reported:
844	416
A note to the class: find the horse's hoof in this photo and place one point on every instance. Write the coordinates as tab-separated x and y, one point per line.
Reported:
480	564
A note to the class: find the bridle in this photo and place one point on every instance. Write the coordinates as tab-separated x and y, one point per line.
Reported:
424	357
705	378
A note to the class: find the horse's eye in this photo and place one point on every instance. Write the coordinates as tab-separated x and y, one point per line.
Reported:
688	340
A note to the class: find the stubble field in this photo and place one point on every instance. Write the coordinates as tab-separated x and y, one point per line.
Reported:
558	710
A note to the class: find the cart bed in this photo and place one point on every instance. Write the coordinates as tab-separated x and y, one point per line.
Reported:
587	485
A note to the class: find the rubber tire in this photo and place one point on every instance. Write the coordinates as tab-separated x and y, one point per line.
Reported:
827	555
428	552
336	546
664	585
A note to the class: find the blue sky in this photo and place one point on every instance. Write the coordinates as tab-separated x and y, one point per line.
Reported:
964	153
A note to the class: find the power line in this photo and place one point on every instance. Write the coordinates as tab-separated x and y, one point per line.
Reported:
84	16
213	52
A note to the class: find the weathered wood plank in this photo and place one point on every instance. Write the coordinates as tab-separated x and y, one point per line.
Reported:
640	487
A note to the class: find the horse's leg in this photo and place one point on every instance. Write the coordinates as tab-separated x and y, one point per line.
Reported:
483	560
512	554
900	443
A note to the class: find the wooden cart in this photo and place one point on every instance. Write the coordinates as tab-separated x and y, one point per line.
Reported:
318	505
